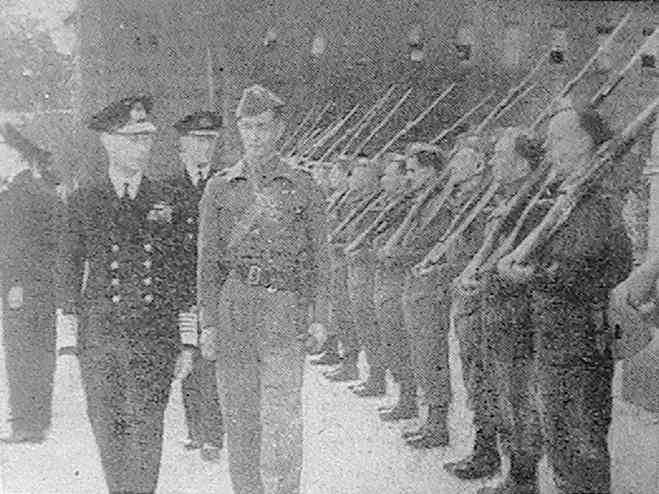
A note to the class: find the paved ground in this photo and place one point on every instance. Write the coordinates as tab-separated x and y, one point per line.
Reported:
347	449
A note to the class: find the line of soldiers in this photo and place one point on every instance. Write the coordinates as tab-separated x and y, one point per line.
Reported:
474	234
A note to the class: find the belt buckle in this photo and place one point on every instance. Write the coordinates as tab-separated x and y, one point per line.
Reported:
254	275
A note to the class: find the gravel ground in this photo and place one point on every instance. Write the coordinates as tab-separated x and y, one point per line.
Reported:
347	449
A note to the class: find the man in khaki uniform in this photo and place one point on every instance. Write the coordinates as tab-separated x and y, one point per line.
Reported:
262	254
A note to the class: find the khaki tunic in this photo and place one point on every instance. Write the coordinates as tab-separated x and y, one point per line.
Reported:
273	222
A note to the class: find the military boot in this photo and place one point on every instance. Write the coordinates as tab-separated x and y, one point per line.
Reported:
406	406
484	462
330	352
374	386
347	371
434	433
522	478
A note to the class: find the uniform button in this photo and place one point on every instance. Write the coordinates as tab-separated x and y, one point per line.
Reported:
115	281
189	221
115	248
148	247
114	265
116	299
147	281
148	298
147	264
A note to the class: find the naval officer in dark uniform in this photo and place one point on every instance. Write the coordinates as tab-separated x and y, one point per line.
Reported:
30	214
130	304
198	136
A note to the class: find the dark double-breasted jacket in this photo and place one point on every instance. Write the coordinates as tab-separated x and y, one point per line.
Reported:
121	265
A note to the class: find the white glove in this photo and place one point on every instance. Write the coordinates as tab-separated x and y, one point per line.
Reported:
183	364
208	343
67	331
187	327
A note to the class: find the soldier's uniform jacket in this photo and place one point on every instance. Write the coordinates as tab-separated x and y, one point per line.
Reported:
30	218
132	251
273	222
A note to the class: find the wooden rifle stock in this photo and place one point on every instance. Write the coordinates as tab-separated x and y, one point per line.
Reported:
336	198
329	133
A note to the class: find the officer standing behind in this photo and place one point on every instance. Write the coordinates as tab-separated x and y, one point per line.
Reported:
129	303
198	135
262	257
30	214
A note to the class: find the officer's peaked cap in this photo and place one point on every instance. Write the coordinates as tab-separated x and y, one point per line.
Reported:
126	116
199	123
256	100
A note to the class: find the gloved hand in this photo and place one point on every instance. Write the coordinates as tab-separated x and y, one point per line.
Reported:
184	364
67	333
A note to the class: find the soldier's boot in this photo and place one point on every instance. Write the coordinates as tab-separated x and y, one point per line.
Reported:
347	371
522	478
374	386
484	462
330	352
17	437
405	408
435	433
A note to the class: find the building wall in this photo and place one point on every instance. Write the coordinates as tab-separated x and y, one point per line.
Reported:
159	46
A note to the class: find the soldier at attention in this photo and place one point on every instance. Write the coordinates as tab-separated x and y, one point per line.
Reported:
130	303
30	215
198	137
262	257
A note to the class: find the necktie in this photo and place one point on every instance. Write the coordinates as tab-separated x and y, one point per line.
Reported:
125	196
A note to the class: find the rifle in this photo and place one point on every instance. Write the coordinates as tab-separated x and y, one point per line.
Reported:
512	96
377	224
331	132
382	123
605	91
462	119
293	135
362	207
366	119
573	190
309	134
410	125
337	197
572	83
459	224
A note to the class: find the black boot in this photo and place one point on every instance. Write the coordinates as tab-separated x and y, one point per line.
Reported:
434	433
522	478
330	353
405	408
374	386
347	371
484	462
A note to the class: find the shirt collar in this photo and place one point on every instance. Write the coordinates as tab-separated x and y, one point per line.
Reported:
118	180
193	172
